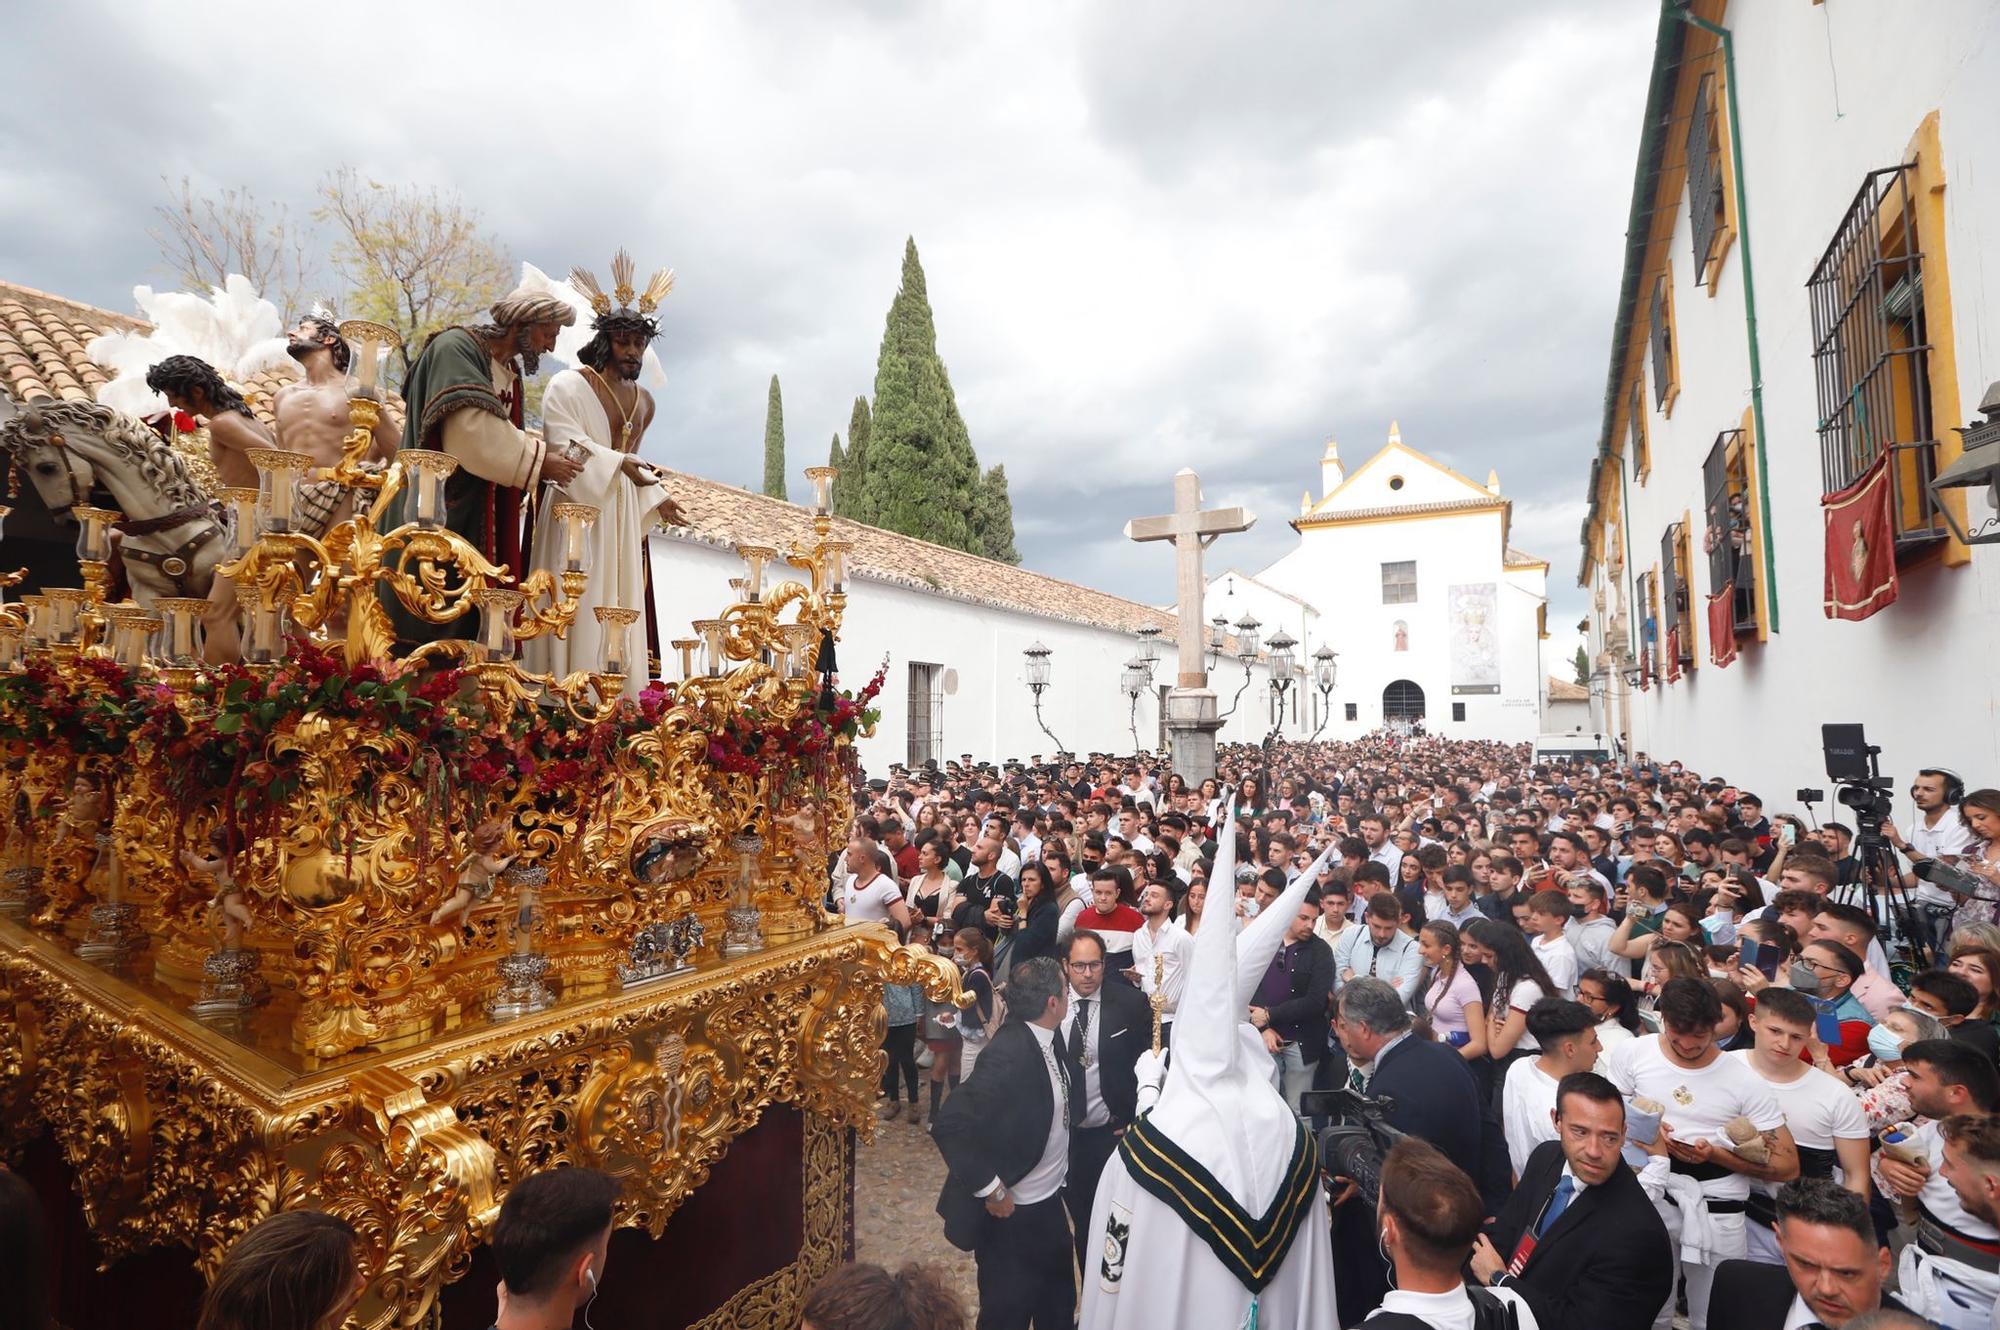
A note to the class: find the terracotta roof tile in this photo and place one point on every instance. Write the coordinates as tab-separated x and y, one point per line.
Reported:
1562	690
723	516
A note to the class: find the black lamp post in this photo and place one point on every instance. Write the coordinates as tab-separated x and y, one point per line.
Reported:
1976	471
1246	647
1282	662
1323	679
1038	679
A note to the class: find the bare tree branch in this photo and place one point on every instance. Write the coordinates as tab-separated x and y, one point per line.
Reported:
203	238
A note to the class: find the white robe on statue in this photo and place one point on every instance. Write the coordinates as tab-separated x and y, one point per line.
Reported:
614	552
1145	1267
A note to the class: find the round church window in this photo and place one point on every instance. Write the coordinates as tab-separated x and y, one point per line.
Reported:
1395	482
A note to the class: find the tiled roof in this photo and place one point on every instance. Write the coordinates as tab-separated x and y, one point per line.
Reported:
1562	690
722	515
1522	559
42	352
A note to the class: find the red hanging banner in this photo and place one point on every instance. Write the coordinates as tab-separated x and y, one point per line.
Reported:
1672	665
1722	624
1860	546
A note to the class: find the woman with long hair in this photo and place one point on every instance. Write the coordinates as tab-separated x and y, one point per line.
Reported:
927	888
1679	922
1190	912
1980	812
1979	966
1448	993
1519	982
293	1271
974	955
1610	998
1039	914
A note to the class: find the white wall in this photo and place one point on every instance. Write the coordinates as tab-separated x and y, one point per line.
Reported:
991	714
1339	570
1919	674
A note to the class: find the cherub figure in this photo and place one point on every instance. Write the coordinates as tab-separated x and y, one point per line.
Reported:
85	813
227	902
476	873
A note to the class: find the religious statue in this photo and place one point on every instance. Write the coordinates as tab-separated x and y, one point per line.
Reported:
476	873
227	902
596	416
193	386
1402	636
314	418
85	813
464	397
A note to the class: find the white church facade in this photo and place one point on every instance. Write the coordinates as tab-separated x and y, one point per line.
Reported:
1403	570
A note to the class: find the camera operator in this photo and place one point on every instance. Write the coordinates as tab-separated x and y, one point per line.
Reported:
1939	833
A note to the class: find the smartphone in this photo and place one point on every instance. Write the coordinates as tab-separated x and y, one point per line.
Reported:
1769	957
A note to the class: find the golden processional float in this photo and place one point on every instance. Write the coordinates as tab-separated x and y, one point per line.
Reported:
377	936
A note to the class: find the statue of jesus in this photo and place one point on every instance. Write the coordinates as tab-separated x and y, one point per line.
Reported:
597	415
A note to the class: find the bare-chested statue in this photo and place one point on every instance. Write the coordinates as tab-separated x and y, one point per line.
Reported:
192	385
314	418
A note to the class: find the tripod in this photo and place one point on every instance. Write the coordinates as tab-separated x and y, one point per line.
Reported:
1882	889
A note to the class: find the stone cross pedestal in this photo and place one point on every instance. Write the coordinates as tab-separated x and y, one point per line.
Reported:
1191	710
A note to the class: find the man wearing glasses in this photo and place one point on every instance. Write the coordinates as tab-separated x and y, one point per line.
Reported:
1105	1030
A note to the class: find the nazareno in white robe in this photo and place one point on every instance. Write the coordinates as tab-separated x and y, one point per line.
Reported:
1145	1267
615	551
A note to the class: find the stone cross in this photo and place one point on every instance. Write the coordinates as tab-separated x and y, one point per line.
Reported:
1191	530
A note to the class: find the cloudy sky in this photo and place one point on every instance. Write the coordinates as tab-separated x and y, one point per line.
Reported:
1157	233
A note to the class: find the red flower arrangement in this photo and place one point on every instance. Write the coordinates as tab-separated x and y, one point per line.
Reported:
752	743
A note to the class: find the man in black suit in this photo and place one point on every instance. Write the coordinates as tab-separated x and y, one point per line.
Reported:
1833	1272
1435	1097
1107	1027
1578	1238
1290	1002
1005	1135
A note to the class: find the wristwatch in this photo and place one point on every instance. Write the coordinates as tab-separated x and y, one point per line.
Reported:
1499	1278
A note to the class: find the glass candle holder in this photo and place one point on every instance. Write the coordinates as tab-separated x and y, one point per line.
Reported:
497	608
427	471
800	641
93	533
576	520
836	565
711	631
263	626
146	633
822	483
242	503
180	641
615	623
129	630
13	648
755	558
278	476
368	340
65	615
37	606
686	646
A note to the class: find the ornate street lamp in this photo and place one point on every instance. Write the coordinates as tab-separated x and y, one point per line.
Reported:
1282	664
1323	679
1976	471
1038	679
1136	680
1246	647
1218	632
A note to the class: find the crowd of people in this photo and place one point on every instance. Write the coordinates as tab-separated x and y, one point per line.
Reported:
1643	1039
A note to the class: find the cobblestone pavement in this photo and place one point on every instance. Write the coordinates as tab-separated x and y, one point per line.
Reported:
896	1182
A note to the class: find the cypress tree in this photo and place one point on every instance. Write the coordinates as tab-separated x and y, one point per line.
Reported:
847	487
774	443
921	477
1582	666
993	518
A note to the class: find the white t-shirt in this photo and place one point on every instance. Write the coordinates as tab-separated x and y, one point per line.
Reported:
1699	1103
1610	1034
1558	957
1524	994
869	902
1818	1108
1949	836
1453	1310
1526	1101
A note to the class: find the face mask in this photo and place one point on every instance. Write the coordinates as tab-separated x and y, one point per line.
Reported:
1803	978
1885	1044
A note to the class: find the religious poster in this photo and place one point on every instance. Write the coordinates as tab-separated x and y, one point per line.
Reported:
1475	639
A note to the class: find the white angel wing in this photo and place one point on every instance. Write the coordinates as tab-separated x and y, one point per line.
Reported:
232	328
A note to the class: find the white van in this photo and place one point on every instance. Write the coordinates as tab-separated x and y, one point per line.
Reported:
1599	748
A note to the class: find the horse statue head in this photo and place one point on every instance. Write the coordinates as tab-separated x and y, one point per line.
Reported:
170	525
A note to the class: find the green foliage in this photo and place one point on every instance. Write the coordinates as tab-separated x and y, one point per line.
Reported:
847	485
993	518
774	443
1583	667
921	475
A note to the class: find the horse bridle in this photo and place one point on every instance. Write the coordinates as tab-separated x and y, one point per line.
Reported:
176	565
78	497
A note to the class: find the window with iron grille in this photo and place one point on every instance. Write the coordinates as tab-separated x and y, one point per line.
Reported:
926	728
1725	484
1661	336
1871	354
1676	639
1642	460
1399	582
1704	176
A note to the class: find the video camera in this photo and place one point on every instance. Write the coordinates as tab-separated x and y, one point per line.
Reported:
1357	1137
1853	765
